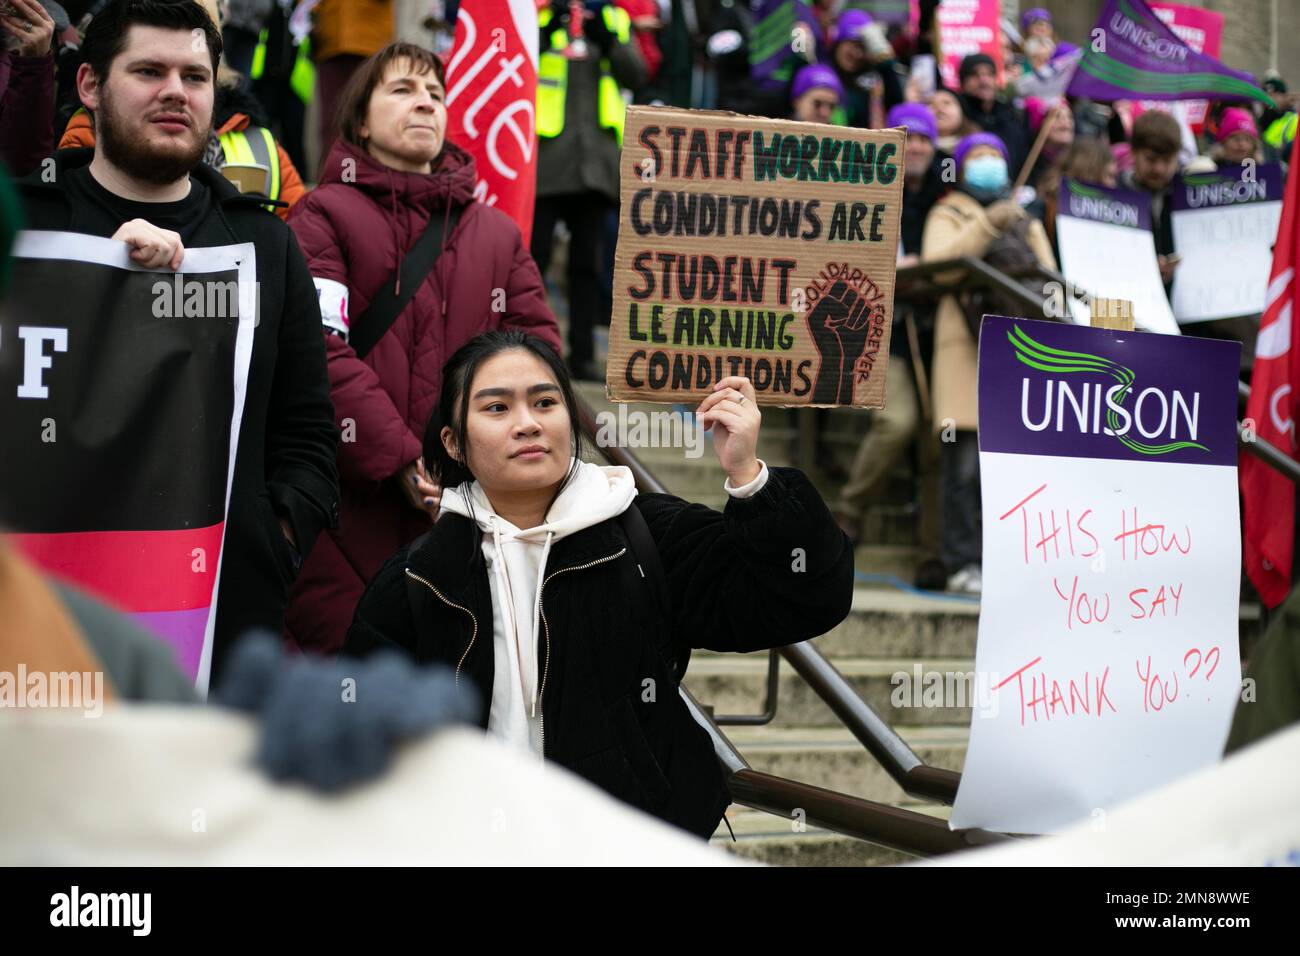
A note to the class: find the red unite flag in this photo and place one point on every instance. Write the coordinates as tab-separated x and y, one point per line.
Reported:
492	101
1269	497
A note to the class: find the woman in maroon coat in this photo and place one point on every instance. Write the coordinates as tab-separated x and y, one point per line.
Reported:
390	171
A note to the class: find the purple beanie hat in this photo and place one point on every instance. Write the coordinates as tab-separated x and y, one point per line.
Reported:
1029	16
1063	49
813	76
978	139
917	118
851	24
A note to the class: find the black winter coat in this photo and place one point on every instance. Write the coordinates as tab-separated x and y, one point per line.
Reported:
610	708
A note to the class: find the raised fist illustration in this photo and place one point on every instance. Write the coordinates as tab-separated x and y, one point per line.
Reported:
840	323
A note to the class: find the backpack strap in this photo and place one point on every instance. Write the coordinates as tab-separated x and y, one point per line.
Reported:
373	324
646	556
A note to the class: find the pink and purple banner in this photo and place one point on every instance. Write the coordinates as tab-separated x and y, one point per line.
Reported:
123	395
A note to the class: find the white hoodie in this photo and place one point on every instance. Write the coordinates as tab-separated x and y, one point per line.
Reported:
516	562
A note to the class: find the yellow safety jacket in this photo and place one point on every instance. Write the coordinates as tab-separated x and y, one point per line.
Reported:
302	79
553	78
1281	132
254	144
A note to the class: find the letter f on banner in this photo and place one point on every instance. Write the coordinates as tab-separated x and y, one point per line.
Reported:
1268	524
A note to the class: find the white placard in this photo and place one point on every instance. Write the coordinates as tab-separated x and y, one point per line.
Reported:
1118	263
1108	659
1224	225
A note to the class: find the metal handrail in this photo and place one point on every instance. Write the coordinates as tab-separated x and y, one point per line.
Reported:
879	823
770	696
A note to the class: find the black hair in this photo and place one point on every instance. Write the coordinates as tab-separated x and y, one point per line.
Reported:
452	408
106	35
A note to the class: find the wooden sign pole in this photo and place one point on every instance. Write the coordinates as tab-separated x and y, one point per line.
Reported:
1112	314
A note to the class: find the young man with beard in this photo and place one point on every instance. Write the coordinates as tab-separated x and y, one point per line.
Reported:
148	80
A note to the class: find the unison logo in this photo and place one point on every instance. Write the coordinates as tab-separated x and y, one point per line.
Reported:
1088	203
1101	408
1213	191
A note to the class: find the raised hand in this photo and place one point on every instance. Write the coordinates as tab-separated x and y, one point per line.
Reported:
731	413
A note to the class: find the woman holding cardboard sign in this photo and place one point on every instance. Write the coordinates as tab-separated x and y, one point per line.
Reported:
571	603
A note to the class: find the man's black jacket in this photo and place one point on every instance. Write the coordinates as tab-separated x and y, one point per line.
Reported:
770	570
285	464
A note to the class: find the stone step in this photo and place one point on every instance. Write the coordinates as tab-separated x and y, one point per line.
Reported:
886	562
833	758
897	623
767	838
736	684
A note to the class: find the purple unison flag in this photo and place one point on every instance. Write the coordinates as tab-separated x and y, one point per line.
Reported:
772	59
1141	58
884	11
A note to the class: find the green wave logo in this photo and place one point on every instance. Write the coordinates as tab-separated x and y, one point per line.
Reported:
1060	362
1079	189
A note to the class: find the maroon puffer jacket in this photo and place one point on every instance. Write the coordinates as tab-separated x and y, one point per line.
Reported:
353	232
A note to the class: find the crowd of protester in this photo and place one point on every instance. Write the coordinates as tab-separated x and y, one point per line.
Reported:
363	186
360	544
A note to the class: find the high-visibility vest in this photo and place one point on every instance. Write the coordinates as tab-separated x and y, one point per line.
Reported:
1281	132
553	78
255	144
302	78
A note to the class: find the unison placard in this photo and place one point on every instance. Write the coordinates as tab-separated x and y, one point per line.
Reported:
1107	655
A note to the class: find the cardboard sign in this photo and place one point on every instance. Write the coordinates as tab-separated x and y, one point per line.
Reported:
1108	635
1224	225
755	247
1108	248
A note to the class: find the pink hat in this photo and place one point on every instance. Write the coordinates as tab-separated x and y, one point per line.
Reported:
1037	110
1235	120
1123	154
